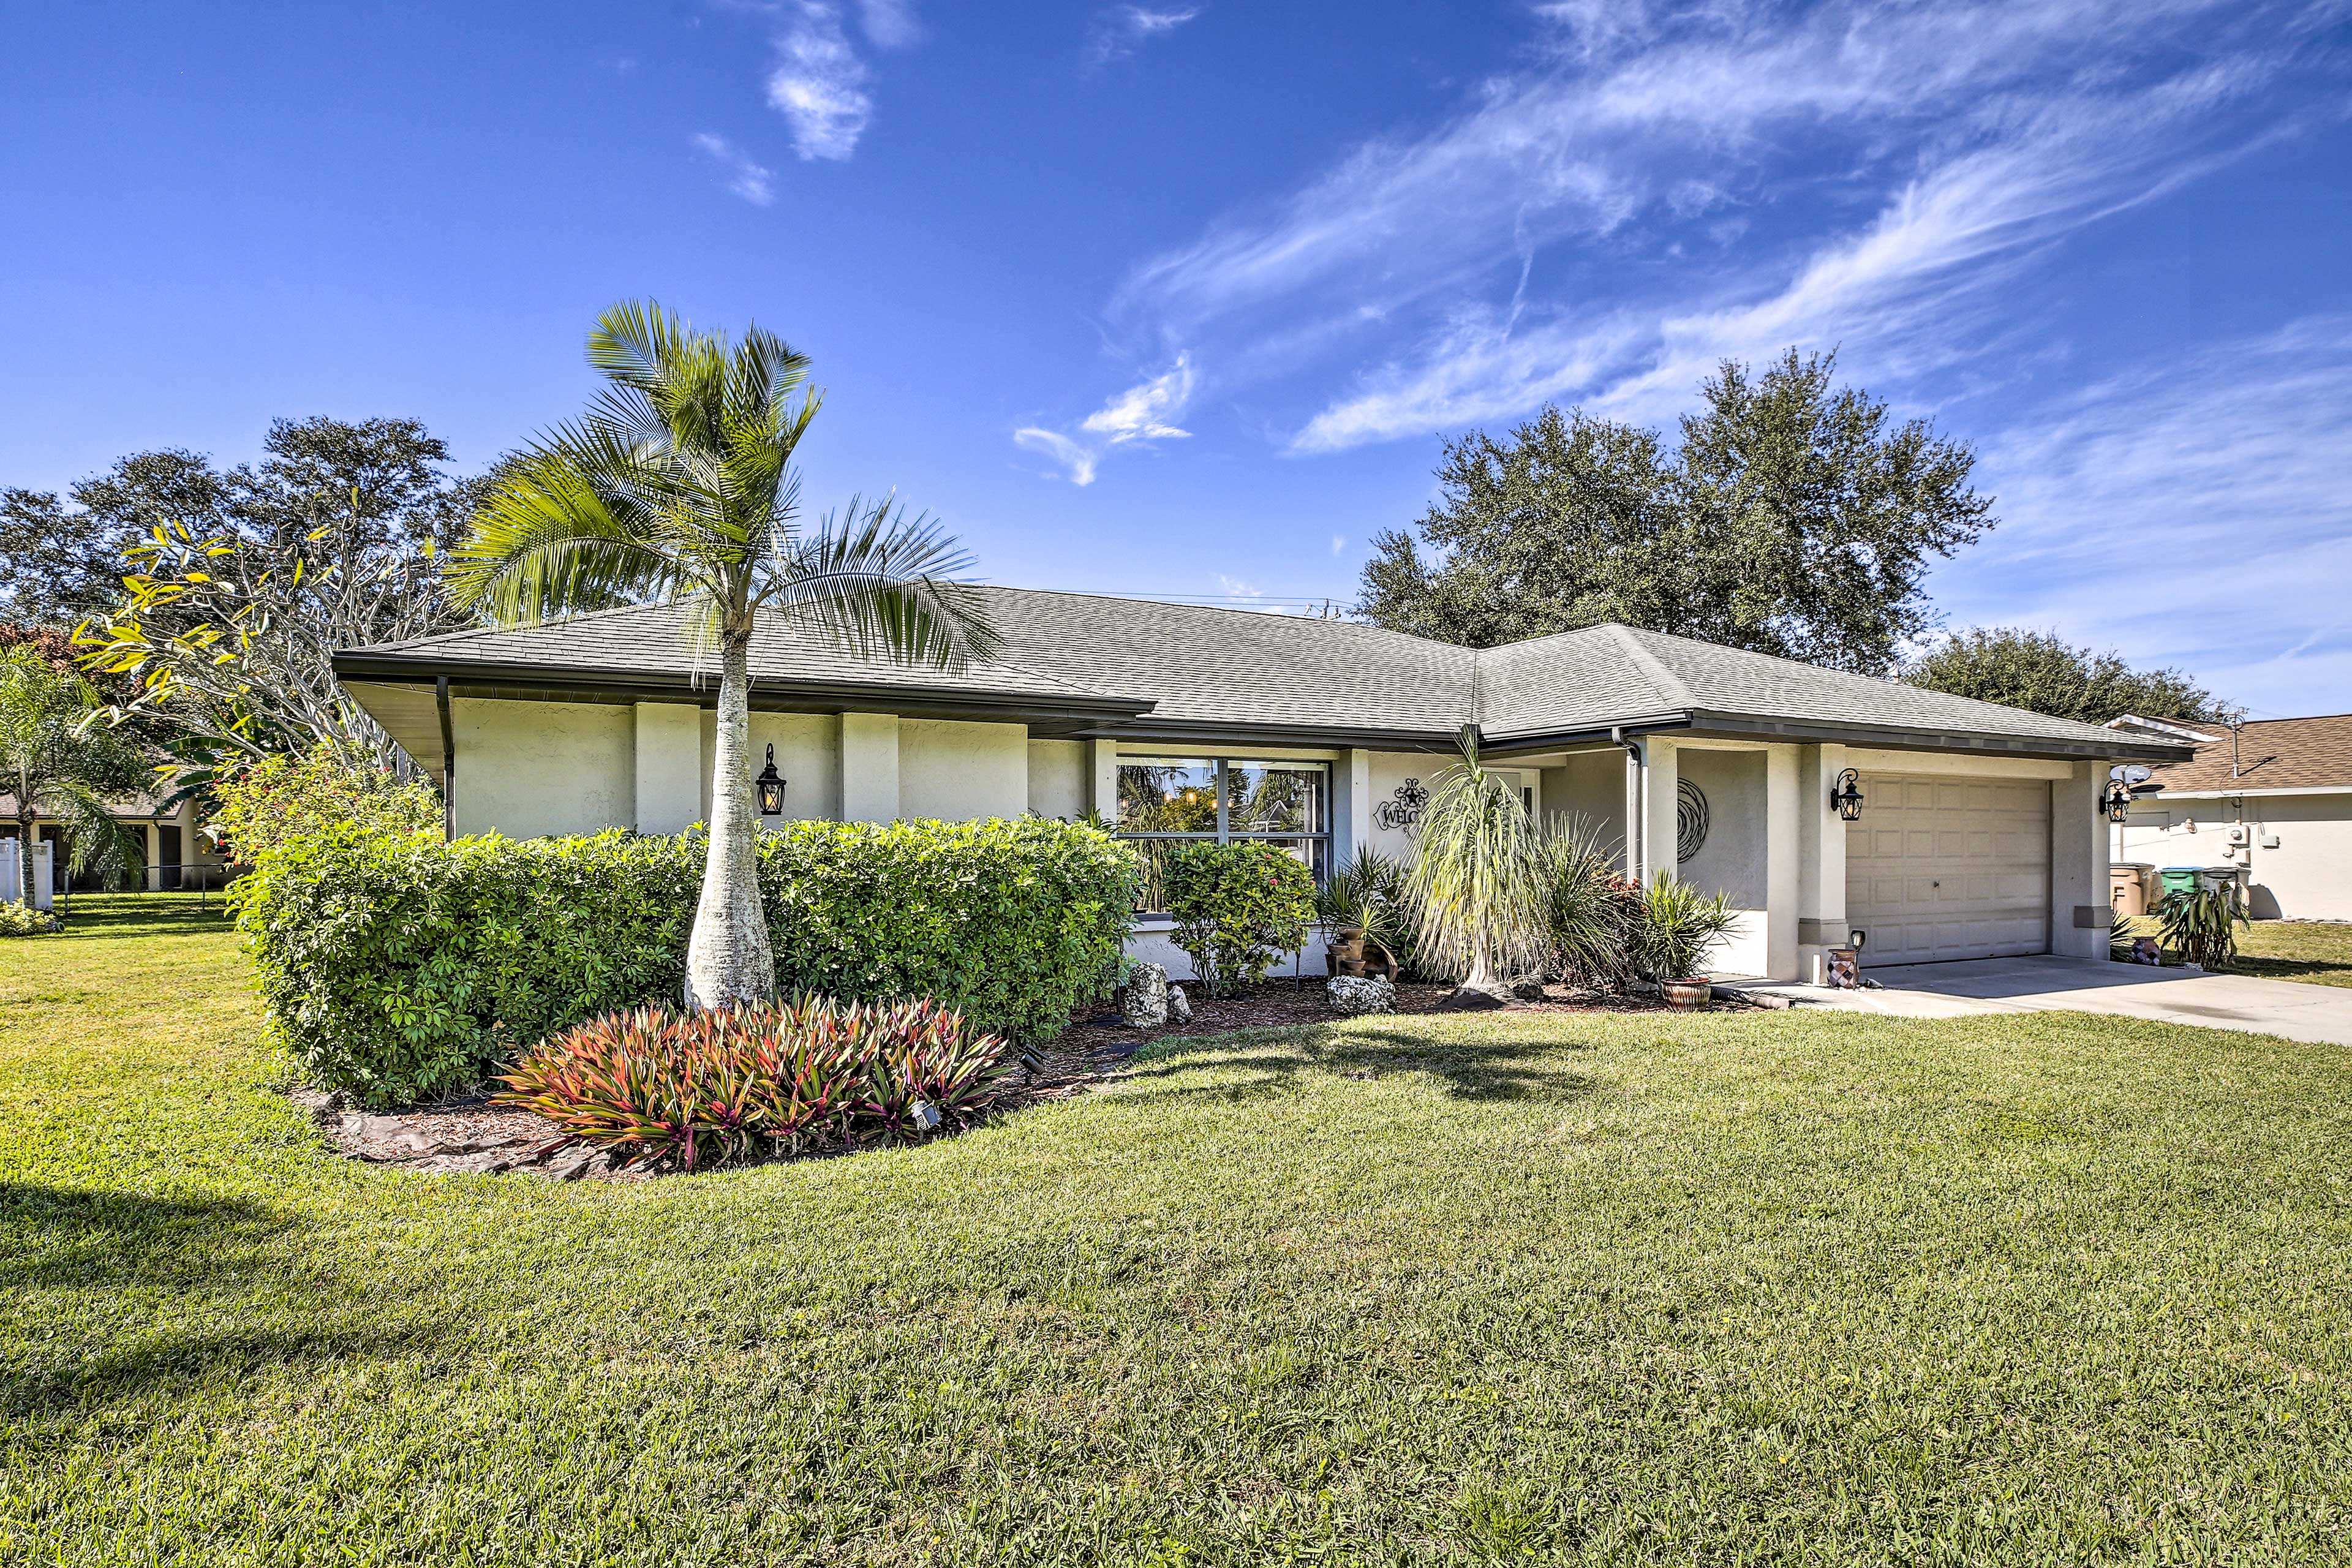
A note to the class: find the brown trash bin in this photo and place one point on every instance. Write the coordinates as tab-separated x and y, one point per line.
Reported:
2128	889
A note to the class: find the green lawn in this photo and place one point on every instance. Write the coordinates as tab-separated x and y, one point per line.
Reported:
1744	1287
2320	952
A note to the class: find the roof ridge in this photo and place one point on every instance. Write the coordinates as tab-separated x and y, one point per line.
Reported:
1347	622
1667	681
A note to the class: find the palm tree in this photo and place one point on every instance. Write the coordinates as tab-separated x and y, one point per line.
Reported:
61	760
1477	882
678	487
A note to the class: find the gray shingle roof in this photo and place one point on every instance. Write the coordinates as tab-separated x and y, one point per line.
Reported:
1191	666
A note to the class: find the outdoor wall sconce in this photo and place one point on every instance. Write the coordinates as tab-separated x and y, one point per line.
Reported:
2119	801
771	788
1847	795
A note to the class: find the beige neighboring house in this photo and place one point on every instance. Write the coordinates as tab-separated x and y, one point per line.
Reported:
1980	832
2275	800
173	852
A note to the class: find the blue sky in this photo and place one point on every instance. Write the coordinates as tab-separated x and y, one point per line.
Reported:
1177	299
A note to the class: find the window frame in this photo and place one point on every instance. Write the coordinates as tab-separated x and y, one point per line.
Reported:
1319	859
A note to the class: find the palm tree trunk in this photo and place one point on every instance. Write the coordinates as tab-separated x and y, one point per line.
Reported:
728	959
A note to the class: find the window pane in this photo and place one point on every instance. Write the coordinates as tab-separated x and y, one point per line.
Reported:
1308	852
1274	798
1152	893
1178	795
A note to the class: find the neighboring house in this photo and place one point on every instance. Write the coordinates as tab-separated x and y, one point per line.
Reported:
172	852
1981	833
2276	799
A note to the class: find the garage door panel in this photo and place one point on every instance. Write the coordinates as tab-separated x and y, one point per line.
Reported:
1950	868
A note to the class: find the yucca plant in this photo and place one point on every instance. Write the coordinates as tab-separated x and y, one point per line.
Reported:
2202	926
1677	928
1477	882
1589	908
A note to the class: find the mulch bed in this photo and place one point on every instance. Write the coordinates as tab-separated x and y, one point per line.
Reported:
468	1135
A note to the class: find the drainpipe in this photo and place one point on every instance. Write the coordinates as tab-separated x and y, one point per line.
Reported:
448	759
1637	787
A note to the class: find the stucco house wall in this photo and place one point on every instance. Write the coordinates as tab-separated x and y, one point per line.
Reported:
545	768
2305	874
1060	779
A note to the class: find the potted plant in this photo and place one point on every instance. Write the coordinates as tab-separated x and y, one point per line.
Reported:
1675	928
1360	911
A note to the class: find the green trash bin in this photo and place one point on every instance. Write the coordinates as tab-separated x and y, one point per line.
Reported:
2179	880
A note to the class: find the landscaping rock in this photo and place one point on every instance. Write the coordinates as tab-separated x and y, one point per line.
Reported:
1145	1003
1355	993
1179	1006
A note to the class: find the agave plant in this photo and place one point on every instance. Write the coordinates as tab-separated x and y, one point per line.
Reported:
2202	926
1476	881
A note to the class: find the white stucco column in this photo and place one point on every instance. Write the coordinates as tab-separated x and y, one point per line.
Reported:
668	758
1821	856
1352	805
1783	859
870	767
2080	913
1659	829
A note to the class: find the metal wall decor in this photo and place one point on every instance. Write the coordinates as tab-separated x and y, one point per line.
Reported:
1690	818
1400	813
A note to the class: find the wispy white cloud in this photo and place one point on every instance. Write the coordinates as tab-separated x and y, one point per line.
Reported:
1338	543
890	24
1121	30
1670	186
1145	411
819	83
2199	513
752	181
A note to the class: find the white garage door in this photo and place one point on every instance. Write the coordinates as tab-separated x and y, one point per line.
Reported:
1949	868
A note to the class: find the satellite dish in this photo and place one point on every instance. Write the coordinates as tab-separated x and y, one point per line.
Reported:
2137	773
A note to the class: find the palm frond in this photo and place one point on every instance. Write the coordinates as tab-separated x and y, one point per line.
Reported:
547	540
878	587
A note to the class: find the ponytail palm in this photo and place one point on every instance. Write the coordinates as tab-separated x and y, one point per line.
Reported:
1478	881
678	487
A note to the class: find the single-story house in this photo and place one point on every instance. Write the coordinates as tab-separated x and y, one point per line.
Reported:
1979	833
2275	799
173	853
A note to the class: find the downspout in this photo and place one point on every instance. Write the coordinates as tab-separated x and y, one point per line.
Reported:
448	759
1637	783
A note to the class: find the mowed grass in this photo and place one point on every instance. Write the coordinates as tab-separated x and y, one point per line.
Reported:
1742	1287
2319	952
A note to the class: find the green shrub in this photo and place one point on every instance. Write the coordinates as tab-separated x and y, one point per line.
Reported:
24	919
265	803
658	1086
1238	908
398	967
1677	928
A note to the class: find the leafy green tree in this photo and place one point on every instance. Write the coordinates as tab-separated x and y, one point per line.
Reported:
59	760
233	591
2043	671
678	486
1794	519
60	565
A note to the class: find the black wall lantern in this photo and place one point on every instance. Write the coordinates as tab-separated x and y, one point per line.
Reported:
2119	801
1847	795
771	788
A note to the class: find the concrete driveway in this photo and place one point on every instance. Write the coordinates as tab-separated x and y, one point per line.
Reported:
2321	1014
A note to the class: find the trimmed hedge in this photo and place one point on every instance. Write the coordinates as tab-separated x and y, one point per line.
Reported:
398	967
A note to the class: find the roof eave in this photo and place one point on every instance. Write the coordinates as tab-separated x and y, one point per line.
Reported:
1924	738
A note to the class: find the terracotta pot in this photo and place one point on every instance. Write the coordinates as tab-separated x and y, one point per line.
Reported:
1687	993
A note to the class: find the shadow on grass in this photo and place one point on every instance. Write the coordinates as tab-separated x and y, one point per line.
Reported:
144	914
2317	971
226	1266
1482	1069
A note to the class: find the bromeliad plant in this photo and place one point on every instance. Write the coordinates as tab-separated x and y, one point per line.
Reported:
694	1088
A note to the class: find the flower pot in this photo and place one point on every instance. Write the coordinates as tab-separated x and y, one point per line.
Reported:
1686	994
